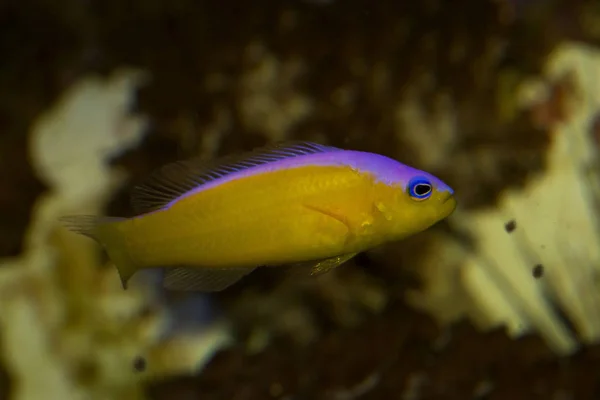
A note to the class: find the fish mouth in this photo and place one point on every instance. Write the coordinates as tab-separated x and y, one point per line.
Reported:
446	196
449	203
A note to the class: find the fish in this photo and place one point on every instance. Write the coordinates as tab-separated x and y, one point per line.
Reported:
296	204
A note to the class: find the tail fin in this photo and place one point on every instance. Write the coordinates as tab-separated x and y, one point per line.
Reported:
107	232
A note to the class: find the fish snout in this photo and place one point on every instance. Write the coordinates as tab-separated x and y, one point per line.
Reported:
447	203
446	196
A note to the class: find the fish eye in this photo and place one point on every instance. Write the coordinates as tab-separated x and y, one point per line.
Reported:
419	189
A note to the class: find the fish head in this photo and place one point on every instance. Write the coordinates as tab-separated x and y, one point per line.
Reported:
420	200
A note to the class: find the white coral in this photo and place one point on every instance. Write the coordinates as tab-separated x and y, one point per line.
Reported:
68	329
557	226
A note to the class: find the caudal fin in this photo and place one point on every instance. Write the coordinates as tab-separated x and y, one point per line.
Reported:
107	232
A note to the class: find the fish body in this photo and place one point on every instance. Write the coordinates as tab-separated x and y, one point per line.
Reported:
279	205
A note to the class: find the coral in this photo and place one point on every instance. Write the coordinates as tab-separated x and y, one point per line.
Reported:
551	211
68	329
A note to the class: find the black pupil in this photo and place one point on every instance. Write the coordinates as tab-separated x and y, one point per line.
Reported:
422	189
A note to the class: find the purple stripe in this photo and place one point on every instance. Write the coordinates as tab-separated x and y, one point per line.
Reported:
384	169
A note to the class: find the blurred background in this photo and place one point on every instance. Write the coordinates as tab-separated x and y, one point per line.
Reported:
499	98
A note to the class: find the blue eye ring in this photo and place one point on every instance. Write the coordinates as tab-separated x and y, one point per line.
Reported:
420	188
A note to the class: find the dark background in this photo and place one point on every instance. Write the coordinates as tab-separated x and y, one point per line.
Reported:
468	48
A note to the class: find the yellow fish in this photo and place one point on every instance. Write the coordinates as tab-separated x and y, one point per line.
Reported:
210	223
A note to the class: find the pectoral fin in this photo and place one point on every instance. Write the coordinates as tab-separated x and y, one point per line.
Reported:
319	267
203	279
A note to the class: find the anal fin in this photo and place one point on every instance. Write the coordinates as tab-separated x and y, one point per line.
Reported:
202	279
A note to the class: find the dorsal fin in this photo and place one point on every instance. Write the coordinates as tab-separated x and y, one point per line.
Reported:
178	178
